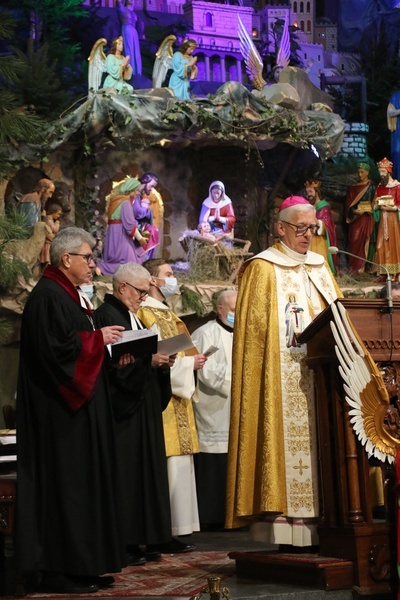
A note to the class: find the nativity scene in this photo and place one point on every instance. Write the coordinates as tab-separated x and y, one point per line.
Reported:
199	204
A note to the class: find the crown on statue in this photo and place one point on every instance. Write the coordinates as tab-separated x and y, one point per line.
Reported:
190	43
385	163
314	183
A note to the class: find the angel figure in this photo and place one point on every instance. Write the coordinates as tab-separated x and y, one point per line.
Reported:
283	56
163	61
97	65
184	69
117	66
119	71
252	58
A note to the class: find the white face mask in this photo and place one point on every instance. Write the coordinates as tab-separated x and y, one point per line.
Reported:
170	287
230	319
88	289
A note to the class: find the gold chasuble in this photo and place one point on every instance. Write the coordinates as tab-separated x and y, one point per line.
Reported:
318	245
178	418
272	456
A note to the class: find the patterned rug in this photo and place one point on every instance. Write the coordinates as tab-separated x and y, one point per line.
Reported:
173	575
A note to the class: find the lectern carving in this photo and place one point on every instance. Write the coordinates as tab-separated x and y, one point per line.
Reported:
347	528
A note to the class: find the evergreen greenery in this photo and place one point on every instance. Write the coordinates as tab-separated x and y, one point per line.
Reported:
5	329
51	23
191	301
16	122
55	75
48	97
12	227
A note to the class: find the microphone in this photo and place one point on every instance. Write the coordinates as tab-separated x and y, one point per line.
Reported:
335	250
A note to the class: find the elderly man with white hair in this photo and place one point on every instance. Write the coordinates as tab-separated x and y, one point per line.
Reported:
272	456
67	471
212	409
140	390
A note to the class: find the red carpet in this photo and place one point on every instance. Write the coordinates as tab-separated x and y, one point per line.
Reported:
173	575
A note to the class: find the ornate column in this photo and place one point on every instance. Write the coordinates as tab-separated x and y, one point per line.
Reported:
223	69
207	63
239	70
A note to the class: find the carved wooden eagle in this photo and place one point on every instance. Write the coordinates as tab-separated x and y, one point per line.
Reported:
372	419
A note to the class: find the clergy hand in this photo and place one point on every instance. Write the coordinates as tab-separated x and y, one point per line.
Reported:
124	360
199	361
171	361
111	334
160	360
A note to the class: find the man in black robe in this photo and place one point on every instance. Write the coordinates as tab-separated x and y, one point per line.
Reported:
68	521
140	392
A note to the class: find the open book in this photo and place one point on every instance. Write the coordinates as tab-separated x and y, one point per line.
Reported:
139	342
177	343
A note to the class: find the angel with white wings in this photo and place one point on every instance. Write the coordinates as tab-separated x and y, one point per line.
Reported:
253	60
163	61
97	64
115	64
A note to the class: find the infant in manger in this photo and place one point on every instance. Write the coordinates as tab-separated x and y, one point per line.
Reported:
204	229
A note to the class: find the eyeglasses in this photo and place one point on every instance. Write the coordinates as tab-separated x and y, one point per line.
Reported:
88	257
142	293
302	229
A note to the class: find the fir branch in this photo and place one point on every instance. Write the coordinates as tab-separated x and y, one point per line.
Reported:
11	68
10	271
18	126
5	329
12	226
191	301
7	25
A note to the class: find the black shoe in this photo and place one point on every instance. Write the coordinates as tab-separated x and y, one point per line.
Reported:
134	550
152	555
102	581
136	561
57	583
174	546
136	556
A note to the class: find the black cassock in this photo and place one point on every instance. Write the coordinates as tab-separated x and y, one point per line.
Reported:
68	517
139	394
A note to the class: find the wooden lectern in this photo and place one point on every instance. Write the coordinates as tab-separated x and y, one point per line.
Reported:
347	529
356	551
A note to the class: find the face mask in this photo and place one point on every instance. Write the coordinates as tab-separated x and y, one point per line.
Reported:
88	290
230	319
170	288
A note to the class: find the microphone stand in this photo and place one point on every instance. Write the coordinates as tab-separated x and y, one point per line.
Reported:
389	308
